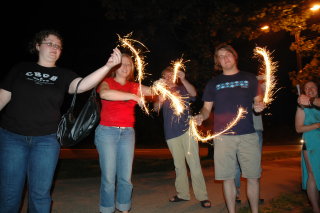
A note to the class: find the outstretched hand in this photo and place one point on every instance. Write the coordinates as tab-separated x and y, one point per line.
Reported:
114	59
259	106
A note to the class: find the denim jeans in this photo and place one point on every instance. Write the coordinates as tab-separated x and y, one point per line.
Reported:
115	146
31	158
238	170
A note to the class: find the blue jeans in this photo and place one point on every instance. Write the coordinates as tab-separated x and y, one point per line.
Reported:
31	158
238	170
115	146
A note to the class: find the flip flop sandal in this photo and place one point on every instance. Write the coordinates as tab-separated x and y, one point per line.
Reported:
204	203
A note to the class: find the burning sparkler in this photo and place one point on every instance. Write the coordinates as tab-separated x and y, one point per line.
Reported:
269	69
126	41
176	102
178	64
197	136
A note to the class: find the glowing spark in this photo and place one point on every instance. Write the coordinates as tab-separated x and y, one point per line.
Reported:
269	69
176	102
178	64
139	62
197	136
315	7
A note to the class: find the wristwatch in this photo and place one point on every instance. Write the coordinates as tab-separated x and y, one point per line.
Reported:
311	100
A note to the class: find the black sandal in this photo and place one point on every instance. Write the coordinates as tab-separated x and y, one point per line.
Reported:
204	203
176	199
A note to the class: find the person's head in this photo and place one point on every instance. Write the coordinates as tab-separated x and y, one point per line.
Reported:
225	57
310	88
49	38
167	74
48	45
125	69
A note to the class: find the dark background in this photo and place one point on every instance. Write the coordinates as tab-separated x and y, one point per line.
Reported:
89	39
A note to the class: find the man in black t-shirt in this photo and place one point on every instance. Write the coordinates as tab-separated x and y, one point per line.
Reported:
227	92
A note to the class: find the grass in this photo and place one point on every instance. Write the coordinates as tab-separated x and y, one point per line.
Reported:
285	203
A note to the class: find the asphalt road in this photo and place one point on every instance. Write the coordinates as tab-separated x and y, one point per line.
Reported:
152	190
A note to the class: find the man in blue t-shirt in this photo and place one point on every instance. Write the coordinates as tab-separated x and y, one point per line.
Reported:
181	145
227	92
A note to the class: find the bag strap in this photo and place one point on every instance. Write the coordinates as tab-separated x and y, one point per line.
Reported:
75	95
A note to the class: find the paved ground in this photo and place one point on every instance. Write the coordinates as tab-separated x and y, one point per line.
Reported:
152	190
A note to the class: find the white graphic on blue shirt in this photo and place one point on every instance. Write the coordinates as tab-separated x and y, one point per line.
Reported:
242	84
41	78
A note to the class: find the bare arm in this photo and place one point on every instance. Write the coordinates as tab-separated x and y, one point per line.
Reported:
146	91
189	87
299	122
204	113
5	97
115	95
93	79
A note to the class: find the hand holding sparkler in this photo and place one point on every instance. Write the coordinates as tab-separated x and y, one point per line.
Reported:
198	119
114	59
259	106
304	100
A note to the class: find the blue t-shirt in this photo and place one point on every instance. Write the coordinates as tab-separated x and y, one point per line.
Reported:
174	125
229	92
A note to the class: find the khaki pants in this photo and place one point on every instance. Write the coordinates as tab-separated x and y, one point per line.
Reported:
184	148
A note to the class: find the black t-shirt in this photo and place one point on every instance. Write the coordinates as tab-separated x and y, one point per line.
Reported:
229	92
37	94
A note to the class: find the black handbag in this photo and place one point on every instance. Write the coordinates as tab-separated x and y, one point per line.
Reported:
72	129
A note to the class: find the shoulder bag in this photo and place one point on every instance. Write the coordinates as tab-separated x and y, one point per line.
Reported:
72	129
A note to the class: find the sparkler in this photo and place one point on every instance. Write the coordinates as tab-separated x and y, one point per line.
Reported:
178	64
126	41
269	67
298	89
176	102
197	136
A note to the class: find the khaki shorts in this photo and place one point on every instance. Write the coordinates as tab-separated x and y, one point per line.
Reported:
229	148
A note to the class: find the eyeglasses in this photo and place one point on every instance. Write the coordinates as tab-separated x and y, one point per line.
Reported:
55	46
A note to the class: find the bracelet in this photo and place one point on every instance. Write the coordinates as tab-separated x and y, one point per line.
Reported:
311	100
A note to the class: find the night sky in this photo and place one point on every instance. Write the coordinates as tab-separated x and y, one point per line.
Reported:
89	39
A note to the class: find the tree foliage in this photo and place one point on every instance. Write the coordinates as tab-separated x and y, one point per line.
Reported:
296	18
197	26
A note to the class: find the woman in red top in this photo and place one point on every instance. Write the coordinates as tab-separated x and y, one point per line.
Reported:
115	136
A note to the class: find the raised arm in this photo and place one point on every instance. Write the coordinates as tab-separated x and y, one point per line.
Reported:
93	79
299	122
189	87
